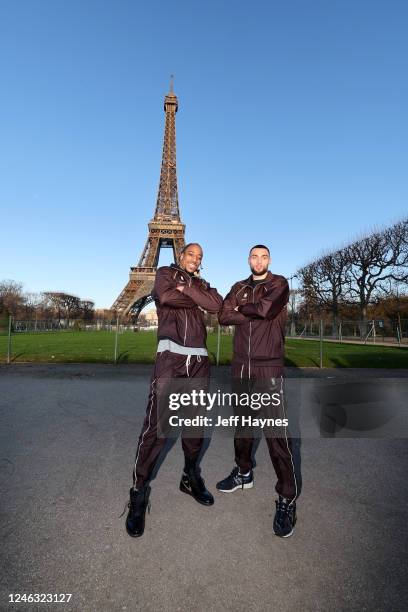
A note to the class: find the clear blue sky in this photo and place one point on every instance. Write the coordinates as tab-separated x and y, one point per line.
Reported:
291	131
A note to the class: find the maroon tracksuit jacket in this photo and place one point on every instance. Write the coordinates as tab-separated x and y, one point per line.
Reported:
260	321
180	313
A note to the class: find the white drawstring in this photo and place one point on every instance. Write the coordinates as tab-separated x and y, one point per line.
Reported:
188	360
199	358
242	369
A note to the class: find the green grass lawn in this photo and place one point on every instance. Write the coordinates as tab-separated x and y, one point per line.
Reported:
98	347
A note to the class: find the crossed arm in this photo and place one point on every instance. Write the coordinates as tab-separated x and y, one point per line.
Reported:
165	291
229	314
268	307
170	293
204	296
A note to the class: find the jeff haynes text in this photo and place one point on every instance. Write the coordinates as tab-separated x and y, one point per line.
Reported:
232	421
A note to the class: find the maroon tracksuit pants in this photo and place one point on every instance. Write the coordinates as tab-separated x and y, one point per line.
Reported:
265	379
168	367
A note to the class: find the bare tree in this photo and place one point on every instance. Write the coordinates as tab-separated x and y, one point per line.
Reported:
323	283
65	306
375	261
54	302
33	304
11	296
71	305
87	309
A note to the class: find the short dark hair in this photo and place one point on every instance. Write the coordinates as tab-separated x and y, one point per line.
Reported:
259	246
188	245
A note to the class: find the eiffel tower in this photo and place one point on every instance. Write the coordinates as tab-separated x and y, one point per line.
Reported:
165	229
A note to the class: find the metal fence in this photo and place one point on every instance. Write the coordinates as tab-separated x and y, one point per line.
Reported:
74	325
32	340
375	331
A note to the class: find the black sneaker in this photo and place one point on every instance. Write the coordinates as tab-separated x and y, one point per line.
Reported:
192	484
236	481
139	502
285	517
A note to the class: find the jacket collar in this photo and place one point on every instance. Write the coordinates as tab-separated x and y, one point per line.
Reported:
188	276
176	267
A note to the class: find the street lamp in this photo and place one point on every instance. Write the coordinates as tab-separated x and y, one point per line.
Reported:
292	323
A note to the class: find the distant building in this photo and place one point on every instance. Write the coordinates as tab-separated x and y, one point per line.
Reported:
151	318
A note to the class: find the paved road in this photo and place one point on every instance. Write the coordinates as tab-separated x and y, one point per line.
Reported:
68	436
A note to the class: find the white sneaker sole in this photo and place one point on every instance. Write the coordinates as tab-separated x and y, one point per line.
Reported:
285	536
249	485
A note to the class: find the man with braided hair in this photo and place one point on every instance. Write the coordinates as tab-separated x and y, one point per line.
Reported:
180	296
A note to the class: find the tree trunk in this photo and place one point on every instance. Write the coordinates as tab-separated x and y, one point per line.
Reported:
363	322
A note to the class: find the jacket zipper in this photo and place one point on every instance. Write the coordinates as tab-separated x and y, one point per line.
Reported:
185	312
185	331
249	339
250	325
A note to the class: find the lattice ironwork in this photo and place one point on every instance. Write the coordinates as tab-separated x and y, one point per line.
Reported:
165	229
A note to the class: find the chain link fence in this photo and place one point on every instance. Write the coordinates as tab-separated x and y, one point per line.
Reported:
392	332
75	325
102	342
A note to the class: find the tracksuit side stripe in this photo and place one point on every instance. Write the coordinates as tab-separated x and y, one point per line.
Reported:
287	445
144	433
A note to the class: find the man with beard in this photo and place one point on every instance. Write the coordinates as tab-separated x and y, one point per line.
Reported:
180	296
257	308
